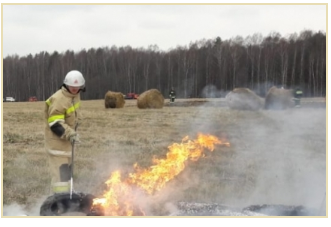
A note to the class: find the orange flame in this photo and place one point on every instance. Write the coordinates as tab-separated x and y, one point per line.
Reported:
113	201
119	199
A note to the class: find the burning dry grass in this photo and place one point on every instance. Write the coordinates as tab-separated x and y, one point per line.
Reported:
275	156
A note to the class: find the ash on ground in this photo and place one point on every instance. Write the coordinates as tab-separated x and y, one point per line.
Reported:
214	209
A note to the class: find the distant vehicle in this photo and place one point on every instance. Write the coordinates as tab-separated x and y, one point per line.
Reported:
9	99
33	99
131	96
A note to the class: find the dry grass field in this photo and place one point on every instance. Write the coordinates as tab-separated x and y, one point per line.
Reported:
274	157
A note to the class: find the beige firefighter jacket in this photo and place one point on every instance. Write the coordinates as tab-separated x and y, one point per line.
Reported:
62	108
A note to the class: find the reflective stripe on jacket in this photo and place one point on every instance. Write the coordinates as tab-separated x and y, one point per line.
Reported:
62	108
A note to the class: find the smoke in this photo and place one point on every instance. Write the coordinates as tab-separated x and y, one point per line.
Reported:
281	154
211	91
283	158
294	170
14	210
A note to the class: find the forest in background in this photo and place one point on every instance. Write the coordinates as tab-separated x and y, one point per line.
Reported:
207	68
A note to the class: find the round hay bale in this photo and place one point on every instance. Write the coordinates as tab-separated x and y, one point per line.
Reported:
243	99
150	99
114	100
278	99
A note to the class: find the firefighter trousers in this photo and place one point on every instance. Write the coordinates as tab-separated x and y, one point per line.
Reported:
60	170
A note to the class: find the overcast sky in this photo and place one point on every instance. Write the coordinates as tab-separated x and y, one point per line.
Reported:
35	28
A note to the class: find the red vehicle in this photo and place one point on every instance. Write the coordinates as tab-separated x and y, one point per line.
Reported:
33	99
131	96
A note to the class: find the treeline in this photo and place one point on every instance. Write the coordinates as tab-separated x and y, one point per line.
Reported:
206	68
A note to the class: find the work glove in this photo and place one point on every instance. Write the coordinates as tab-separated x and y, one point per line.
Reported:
74	138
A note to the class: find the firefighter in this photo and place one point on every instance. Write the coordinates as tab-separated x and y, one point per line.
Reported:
61	117
172	95
297	97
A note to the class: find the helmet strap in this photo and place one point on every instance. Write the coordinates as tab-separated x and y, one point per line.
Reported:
65	86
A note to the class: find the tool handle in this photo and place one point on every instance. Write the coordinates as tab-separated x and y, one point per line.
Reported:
72	164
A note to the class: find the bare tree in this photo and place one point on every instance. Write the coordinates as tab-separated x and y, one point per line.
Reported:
283	50
235	45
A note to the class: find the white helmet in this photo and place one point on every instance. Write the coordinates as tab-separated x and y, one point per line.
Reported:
74	78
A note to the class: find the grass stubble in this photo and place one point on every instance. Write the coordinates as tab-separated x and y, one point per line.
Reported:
275	157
